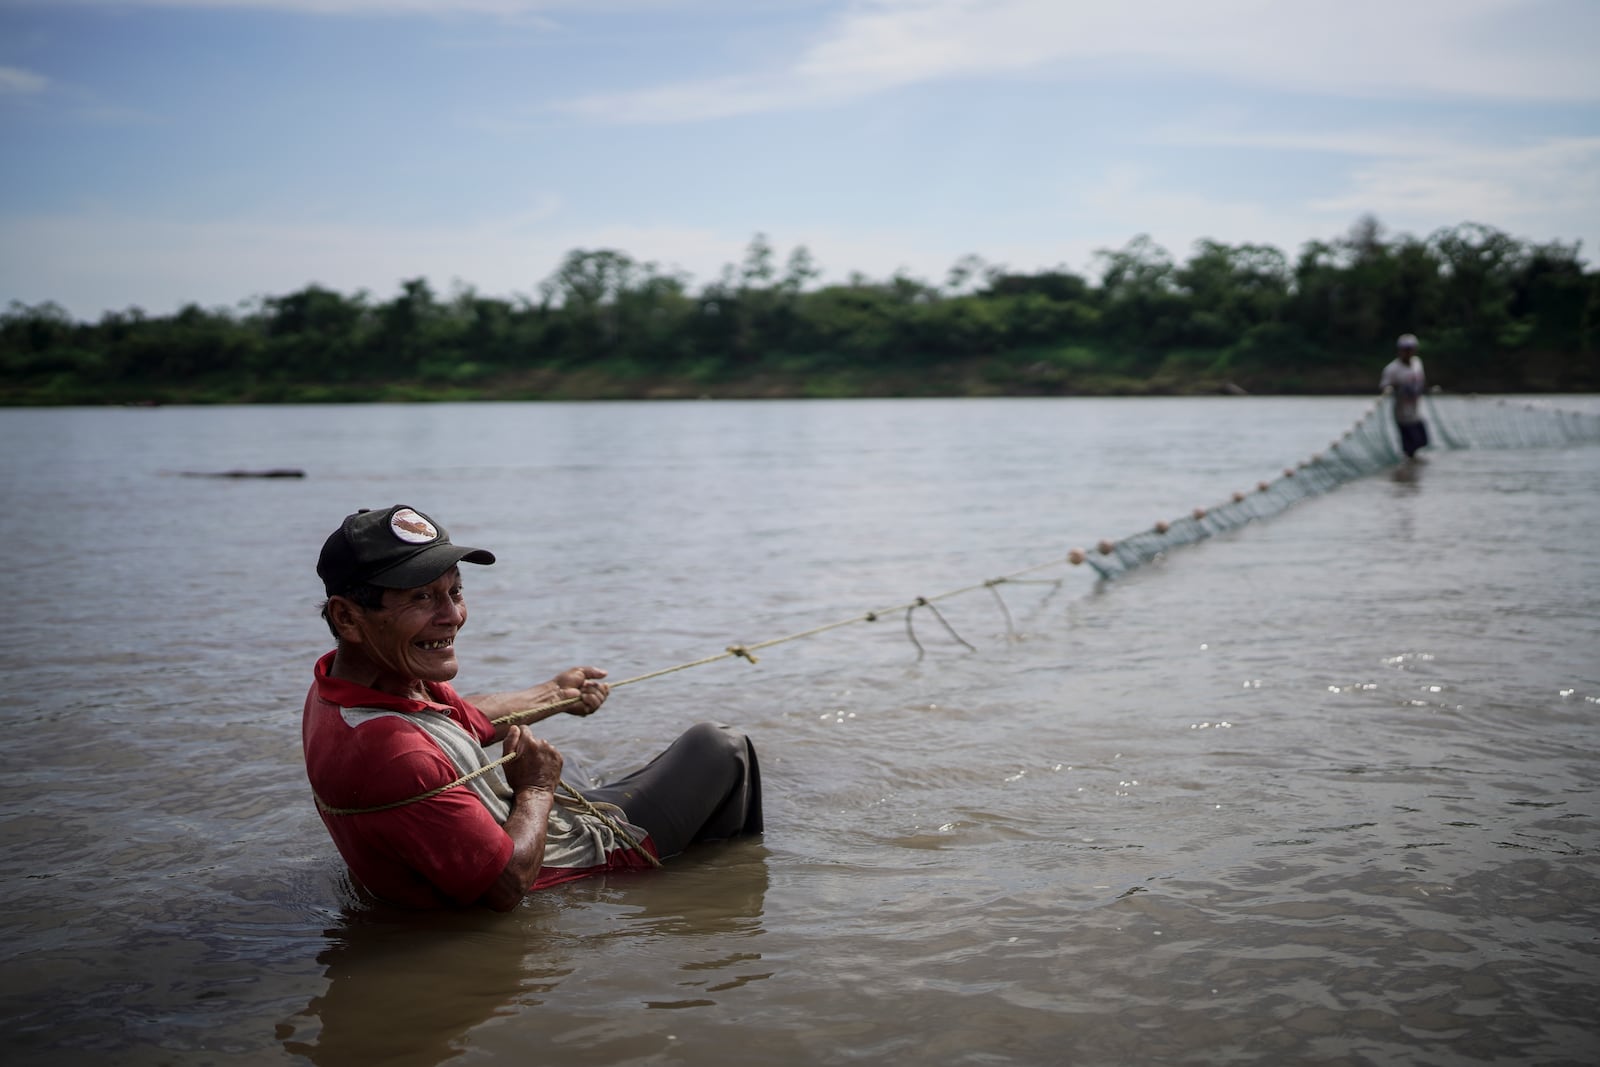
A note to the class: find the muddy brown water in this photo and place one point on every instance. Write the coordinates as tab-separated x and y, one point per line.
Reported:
1321	790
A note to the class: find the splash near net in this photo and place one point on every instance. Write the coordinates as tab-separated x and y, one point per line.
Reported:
1369	446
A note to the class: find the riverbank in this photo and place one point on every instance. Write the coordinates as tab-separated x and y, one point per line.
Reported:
1018	374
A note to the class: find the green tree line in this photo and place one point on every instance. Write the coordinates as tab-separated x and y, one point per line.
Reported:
1495	313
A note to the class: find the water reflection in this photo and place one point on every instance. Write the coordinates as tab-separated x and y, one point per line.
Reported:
404	988
1408	473
407	988
1407	480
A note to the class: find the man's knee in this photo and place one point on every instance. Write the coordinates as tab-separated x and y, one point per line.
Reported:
712	737
727	757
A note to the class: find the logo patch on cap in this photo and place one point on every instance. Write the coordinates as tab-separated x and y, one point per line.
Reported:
411	527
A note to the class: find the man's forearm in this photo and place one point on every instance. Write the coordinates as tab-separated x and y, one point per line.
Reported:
527	826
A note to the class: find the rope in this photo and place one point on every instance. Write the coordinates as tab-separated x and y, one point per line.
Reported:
328	809
572	798
747	652
616	827
1369	445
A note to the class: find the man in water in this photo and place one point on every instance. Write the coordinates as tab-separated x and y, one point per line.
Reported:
422	815
1403	377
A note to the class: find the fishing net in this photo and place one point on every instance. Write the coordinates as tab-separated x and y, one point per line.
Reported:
1369	446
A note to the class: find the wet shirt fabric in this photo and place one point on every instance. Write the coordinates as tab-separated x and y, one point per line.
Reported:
365	749
1408	383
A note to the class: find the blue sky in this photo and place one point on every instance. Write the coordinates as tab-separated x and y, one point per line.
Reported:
161	152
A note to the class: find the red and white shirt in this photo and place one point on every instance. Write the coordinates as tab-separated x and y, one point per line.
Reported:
444	851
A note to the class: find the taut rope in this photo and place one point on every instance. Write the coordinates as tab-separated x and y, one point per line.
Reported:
1366	447
747	652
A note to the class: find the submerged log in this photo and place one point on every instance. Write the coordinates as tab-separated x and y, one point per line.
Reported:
275	472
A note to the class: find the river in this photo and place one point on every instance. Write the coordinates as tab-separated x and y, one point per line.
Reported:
1322	789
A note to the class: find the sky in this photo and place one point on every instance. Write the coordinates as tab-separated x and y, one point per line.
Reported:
157	153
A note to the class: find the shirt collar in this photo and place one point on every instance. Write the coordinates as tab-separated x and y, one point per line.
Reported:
348	694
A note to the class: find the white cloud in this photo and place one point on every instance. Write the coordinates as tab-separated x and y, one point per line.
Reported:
17	80
698	101
1549	190
502	8
1415	179
1542	186
1477	49
1127	200
101	260
1419	179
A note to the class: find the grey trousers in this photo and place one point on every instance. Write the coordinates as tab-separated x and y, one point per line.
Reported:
706	785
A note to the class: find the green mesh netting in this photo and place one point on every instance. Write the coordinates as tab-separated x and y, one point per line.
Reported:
1369	446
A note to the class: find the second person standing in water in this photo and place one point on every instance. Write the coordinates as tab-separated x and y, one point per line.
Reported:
1404	379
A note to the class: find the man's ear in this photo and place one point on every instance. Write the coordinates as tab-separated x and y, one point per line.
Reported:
347	617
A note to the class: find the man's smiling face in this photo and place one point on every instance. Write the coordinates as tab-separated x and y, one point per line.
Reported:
412	637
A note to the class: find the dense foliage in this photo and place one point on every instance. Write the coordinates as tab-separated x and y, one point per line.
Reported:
1495	314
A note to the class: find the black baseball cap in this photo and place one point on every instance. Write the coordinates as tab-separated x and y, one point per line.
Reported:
400	548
